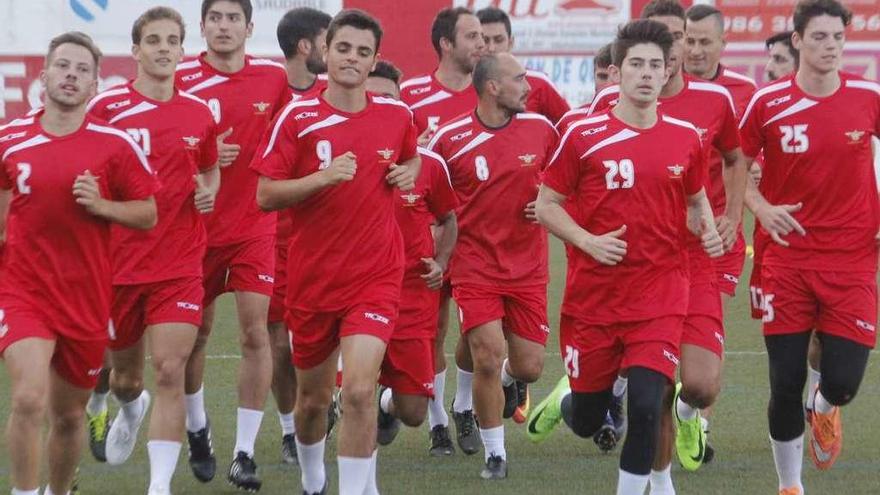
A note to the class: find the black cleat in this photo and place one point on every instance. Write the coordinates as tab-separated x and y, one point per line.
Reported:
466	431
496	468
511	400
201	454
388	426
288	449
334	412
441	444
605	438
708	454
243	473
324	491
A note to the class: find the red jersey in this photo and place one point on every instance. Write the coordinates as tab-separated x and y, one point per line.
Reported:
433	104
620	175
571	117
244	101
818	151
179	139
496	173
544	98
57	255
346	236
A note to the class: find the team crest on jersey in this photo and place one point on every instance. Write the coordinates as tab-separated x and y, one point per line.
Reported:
410	199
527	160
192	77
855	136
260	107
386	154
675	171
118	104
192	142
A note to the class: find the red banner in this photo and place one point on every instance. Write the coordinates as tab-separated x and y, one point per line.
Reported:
757	20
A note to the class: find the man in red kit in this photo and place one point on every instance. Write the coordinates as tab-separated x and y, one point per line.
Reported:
435	99
499	276
157	275
301	35
324	160
635	174
407	376
819	269
601	80
244	93
70	177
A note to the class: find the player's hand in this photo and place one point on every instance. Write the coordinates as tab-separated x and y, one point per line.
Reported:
204	196
607	249
401	177
88	193
727	229
755	173
426	136
226	152
712	241
777	221
341	169
530	212
434	277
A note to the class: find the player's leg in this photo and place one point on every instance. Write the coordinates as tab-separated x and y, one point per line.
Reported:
466	431
644	401
661	471
127	386
438	420
487	345
406	379
202	461
814	376
700	385
97	416
283	388
67	403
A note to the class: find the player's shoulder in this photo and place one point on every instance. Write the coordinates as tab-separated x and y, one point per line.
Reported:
680	126
733	78
416	82
195	104
538	79
454	130
391	105
592	127
535	120
265	65
189	65
769	96
299	112
605	98
433	162
858	83
104	136
111	99
418	90
16	132
712	90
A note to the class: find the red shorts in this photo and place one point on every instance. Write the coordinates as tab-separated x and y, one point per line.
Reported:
408	367
756	293
704	324
522	310
135	307
843	304
730	266
77	361
419	310
245	267
593	355
279	289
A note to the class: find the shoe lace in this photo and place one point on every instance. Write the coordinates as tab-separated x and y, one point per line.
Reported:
97	427
824	426
467	423
441	435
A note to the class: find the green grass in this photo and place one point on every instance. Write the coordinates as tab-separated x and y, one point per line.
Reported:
563	464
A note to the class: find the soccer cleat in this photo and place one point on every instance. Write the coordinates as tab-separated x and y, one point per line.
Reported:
791	491
288	449
441	444
122	436
466	431
522	408
606	438
324	491
826	439
201	454
98	435
547	415
690	441
74	485
388	426
495	469
243	473
157	491
334	412
511	400
709	455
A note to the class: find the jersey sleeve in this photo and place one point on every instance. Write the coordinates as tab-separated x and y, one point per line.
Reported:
727	138
552	142
751	131
131	177
564	171
208	153
554	104
599	104
441	199
285	95
409	146
698	167
277	152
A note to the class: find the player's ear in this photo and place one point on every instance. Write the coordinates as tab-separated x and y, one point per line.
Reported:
614	74
135	50
202	28
250	29
304	46
44	79
796	40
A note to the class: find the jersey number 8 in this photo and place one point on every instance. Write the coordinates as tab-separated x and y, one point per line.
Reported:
325	153
482	167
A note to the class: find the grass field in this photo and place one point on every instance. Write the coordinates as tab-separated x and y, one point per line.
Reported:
563	464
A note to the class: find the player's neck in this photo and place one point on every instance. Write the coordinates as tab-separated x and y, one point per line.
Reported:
298	74
226	62
710	74
491	115
451	76
349	100
816	83
673	86
61	121
639	116
154	89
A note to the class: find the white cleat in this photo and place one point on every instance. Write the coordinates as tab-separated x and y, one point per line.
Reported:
122	436
158	491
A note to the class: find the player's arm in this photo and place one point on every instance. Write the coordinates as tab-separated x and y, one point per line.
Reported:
735	174
280	194
775	219
403	176
207	187
701	223
5	198
446	233
135	214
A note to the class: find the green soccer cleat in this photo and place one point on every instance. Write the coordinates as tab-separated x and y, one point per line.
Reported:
690	440
547	415
98	435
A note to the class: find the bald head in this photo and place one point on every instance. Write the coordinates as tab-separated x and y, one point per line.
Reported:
500	77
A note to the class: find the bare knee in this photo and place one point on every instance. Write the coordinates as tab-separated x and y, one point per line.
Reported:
69	421
700	393
254	338
412	412
487	356
29	403
527	369
169	371
358	396
126	383
311	402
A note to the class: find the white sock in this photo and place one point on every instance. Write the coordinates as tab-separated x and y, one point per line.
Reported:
385	400
464	392
196	419
789	459
631	484
311	464
372	487
97	403
820	405
133	409
661	482
16	491
493	442
436	413
506	379
163	461
354	472
247	428
813	379
685	411
287	425
704	422
47	491
620	386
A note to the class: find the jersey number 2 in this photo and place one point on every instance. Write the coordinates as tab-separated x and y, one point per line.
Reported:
141	137
794	138
620	175
24	173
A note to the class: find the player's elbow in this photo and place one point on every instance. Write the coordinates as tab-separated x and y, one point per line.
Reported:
265	198
149	215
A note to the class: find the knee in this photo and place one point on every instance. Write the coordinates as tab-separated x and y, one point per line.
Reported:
127	383
169	372
29	403
700	394
643	410
528	369
312	404
357	396
254	337
487	357
70	421
412	413
584	418
838	392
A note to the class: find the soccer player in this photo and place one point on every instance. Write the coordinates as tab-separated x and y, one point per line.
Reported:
339	160
244	93
783	57
601	80
301	35
544	98
435	99
157	278
499	274
819	269
636	176
407	375
70	177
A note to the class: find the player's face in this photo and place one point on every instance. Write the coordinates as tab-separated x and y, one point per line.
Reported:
642	73
780	62
601	78
496	39
513	88
160	49
704	42
70	76
676	27
822	43
383	86
351	56
225	27
315	62
469	46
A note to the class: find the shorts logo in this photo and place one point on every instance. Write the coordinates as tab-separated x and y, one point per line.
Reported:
720	338
377	317
545	329
269	279
731	278
192	77
187	306
429	386
4	328
670	356
864	325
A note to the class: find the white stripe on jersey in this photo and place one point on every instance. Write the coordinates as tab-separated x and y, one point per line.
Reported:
473	143
574	125
194	98
800	106
446	128
758	94
30	143
106	94
415	82
17	123
207	83
869	85
609	90
440	160
715	88
124	135
328	122
683	123
283	116
265	61
434	98
192	64
391	101
736	75
141	107
573	112
622	135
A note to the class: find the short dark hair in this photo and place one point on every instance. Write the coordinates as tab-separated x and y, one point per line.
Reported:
639	32
358	19
656	8
299	24
75	38
491	15
701	11
156	14
807	9
785	39
485	70
387	70
245	5
444	25
603	57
